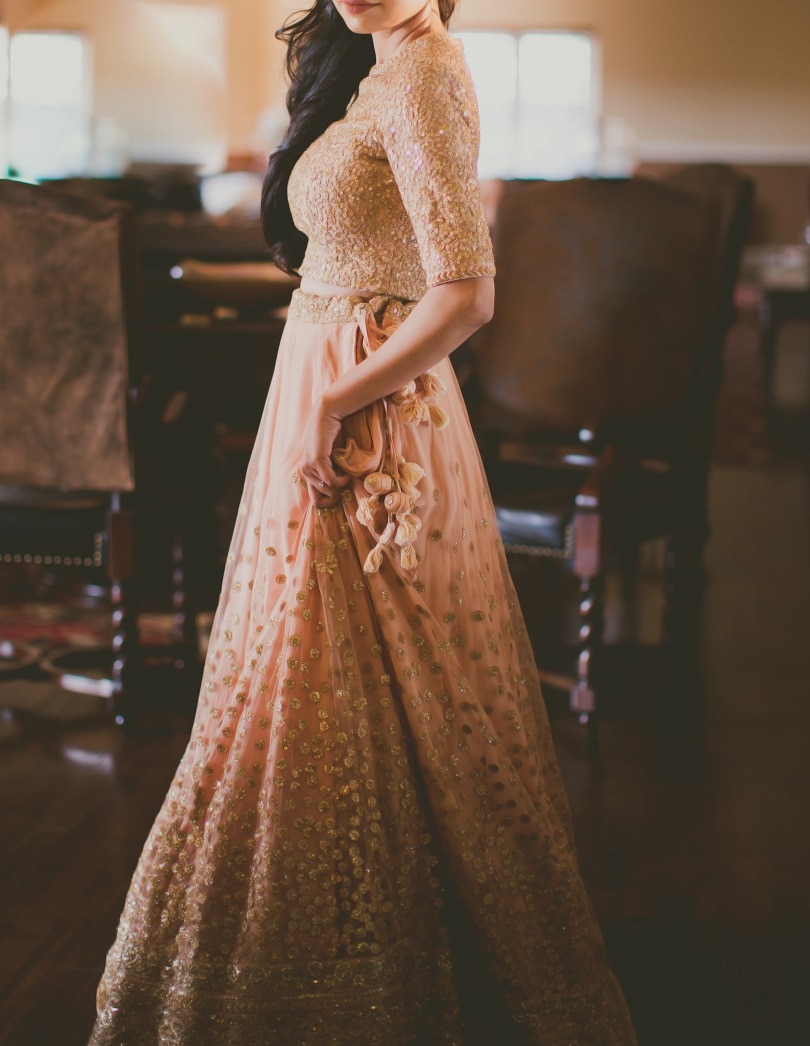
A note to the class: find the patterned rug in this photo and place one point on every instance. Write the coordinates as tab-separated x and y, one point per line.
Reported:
45	626
42	699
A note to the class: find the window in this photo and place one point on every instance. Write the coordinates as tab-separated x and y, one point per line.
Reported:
3	100
539	97
3	65
50	100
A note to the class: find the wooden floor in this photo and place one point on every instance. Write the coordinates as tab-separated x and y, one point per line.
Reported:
692	824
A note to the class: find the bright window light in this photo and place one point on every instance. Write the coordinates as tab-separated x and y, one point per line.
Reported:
3	66
50	101
555	69
538	95
3	101
47	69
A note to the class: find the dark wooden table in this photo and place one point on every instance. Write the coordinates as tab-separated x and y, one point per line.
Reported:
214	308
782	272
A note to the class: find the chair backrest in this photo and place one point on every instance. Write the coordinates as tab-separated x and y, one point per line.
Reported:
734	196
66	322
602	299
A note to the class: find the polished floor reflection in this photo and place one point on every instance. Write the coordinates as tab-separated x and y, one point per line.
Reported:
692	823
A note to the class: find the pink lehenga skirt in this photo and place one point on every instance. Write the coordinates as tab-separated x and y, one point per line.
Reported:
367	838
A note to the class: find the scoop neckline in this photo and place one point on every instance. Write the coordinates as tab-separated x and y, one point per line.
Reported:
378	67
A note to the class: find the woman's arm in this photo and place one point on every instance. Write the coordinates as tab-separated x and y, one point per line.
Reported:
444	318
441	321
428	128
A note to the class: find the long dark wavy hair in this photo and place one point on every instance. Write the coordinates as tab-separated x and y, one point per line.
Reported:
325	63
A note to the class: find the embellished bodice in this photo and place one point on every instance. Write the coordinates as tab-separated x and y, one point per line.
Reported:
388	196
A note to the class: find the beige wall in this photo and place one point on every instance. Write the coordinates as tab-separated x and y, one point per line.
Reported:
166	89
695	78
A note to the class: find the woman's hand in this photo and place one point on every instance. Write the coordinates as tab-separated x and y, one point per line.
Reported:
316	466
439	322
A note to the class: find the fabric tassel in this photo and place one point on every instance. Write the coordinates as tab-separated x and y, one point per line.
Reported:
408	528
387	534
410	519
378	483
397	501
413	411
409	472
438	416
408	557
414	493
391	482
373	560
432	384
366	510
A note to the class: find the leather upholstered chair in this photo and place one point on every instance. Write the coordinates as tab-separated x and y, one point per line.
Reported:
733	196
71	405
588	384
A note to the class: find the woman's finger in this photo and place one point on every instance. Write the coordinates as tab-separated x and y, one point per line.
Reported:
321	474
322	494
323	499
326	471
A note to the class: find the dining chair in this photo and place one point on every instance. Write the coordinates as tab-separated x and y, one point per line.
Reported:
585	384
732	194
77	427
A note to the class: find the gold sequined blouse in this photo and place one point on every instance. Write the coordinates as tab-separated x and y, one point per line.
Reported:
389	195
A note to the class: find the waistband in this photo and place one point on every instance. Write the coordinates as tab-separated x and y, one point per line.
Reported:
340	308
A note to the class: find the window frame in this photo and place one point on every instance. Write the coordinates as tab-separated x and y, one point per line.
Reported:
595	108
84	110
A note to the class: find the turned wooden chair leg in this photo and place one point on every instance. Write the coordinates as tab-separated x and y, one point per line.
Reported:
126	652
126	643
584	696
587	567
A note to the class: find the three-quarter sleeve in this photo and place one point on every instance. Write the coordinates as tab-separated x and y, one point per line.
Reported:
431	139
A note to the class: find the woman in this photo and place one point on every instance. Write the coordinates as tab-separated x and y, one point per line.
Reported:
367	839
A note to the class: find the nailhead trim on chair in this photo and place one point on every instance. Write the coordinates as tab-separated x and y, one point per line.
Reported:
59	561
543	550
63	561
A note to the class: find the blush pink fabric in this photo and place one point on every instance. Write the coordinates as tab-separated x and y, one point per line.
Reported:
369	803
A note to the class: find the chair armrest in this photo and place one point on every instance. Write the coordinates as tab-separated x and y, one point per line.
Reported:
599	480
587	521
547	455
